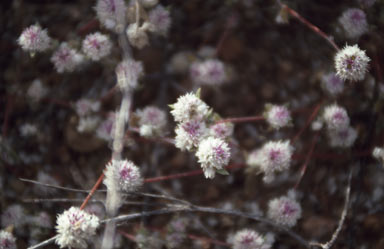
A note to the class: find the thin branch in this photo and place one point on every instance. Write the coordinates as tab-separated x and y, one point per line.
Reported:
97	184
44	243
241	119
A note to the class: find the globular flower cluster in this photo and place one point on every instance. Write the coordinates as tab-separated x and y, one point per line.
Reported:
342	138
75	227
124	174
249	239
111	14
160	19
284	211
332	84
354	23
195	132
37	90
273	157
152	121
378	153
34	39
209	72
7	240
128	73
351	63
277	116
96	46
66	59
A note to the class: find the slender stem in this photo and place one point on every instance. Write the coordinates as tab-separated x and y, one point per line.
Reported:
44	243
309	155
97	184
241	119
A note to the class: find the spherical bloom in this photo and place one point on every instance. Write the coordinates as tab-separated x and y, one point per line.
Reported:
354	22
74	227
275	156
336	117
152	121
189	134
342	138
277	116
253	159
180	62
66	59
34	39
137	35
378	153
125	173
249	239
97	46
37	90
7	241
28	130
128	73
351	63
106	128
332	84
111	14
213	154
13	215
189	107
209	72
160	18
284	211
221	130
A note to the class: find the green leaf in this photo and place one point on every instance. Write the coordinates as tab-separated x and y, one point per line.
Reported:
198	93
222	172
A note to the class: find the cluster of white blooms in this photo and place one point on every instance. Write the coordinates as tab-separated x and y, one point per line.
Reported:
250	239
111	14
7	240
106	128
273	157
332	84
66	59
124	174
284	211
378	153
209	72
196	132
34	39
277	116
37	90
128	73
354	23
351	63
152	121
160	19
96	46
75	227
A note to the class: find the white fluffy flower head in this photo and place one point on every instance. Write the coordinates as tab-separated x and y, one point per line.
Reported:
213	154
354	22
160	18
125	174
277	116
221	130
351	63
344	138
128	73
210	72
34	39
96	46
284	211
189	134
37	90
111	14
275	156
75	227
7	240
249	239
66	59
152	121
336	117
188	107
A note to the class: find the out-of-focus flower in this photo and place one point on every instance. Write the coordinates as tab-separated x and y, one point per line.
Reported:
34	39
354	22
277	116
96	46
336	117
160	19
66	59
332	84
210	72
284	211
111	14
152	121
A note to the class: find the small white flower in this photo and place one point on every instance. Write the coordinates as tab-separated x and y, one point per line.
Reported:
111	14
342	138
284	211
209	72
137	35
96	46
125	173
275	157
378	153
354	22
28	130
189	107
152	121
249	239
34	39
221	130
213	154
277	116
37	90
332	84
160	18
75	227
66	59
351	63
7	240
189	134
128	73
336	117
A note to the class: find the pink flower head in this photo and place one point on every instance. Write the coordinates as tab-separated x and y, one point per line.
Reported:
111	14
336	117
332	84
66	59
277	116
96	46
354	22
34	39
209	72
284	210
249	239
160	18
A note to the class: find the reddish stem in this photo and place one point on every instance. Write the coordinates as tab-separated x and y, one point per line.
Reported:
93	190
92	24
241	119
306	162
310	25
7	113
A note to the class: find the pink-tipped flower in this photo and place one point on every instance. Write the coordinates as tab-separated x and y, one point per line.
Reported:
284	211
111	14
210	72
124	174
332	84
96	46
344	138
34	39
249	239
354	23
213	154
128	73
336	117
7	240
188	107
189	134
277	116
66	59
351	63
275	157
75	227
160	18
221	130
152	121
